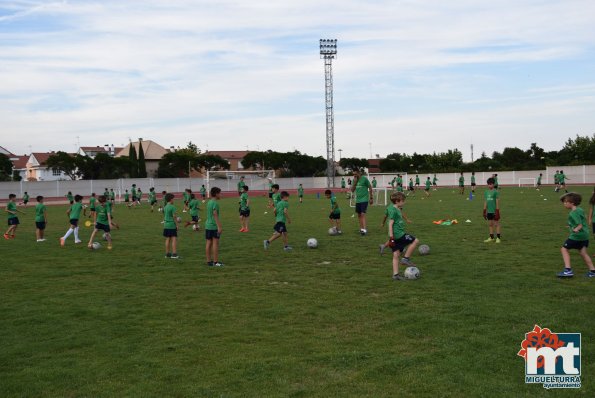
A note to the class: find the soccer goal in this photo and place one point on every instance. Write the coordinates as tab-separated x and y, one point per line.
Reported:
228	180
380	195
527	182
384	180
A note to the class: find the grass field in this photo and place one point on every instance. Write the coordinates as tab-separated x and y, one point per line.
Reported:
323	322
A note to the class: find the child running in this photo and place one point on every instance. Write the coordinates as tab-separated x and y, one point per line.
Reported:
25	198
193	206
152	198
13	220
170	228
428	186
398	239
579	235
203	193
102	222
244	210
213	229
281	219
41	219
335	215
70	198
73	213
491	210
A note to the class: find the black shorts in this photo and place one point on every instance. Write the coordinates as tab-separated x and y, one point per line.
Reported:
335	216
211	234
270	195
72	202
575	244
195	218
594	228
204	195
92	208
126	200
186	202
403	242
74	222
13	221
153	202
102	227
473	184
411	189
245	213
361	208
25	201
491	216
170	233
134	198
426	189
280	227
434	184
40	225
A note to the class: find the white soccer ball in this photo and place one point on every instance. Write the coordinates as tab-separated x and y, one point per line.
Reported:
332	231
96	245
179	219
411	273
424	250
160	210
196	227
312	243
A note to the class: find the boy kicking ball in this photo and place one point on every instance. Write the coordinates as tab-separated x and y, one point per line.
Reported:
102	221
281	218
74	213
399	240
579	235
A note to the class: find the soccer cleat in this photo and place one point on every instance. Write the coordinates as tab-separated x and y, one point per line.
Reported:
218	264
211	263
566	273
168	255
381	249
174	256
488	240
109	247
497	240
78	241
407	262
266	244
62	242
397	277
288	248
590	274
39	240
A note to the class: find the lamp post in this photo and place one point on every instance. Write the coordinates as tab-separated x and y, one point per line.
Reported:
328	52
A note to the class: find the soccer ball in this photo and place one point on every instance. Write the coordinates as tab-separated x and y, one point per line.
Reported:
196	227
104	236
179	219
332	231
424	250
411	273
160	210
312	243
96	245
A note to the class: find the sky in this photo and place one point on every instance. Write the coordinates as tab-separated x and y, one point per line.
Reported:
410	76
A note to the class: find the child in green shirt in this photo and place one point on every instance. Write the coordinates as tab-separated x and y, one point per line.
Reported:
244	210
152	198
473	182
491	210
13	220
579	235
213	229
41	219
170	227
301	193
92	201
203	193
25	198
103	220
193	208
428	185
398	239
335	215
73	213
461	184
70	197
281	218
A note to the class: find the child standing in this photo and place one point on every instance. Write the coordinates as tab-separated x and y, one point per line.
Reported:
417	181
73	213
428	185
41	219
244	210
491	210
335	215
92	201
13	220
112	196
127	199
461	184
398	239
539	181
435	182
472	182
301	193
170	228
411	189
102	222
281	218
203	193
579	235
25	198
213	229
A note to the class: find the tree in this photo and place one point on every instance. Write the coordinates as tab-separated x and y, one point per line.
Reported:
350	164
63	162
212	162
5	168
142	166
133	161
176	164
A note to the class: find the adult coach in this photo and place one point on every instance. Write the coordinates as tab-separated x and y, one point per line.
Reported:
363	195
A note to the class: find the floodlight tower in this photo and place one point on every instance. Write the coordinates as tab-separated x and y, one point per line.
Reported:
328	52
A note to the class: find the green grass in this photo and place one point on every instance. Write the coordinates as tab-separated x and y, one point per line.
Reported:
131	323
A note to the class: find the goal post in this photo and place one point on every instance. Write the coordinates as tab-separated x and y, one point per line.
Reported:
227	180
527	181
380	195
383	180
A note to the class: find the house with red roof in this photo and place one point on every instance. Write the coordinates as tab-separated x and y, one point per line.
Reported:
36	169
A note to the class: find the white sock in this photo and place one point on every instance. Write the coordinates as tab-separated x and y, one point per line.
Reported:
76	233
68	233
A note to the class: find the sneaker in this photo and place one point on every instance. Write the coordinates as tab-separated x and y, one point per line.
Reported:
591	274
168	255
397	277
78	241
174	256
109	247
381	248
266	244
218	264
211	263
339	232
566	273
407	262
183	211
497	240
288	248
41	240
62	242
488	240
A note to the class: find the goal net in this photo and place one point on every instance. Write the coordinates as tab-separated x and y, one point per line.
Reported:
386	180
381	197
527	182
228	180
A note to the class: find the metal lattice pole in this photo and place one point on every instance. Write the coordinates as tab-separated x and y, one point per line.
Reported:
328	51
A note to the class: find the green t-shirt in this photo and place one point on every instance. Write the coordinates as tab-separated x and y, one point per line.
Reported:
270	187
393	182
106	194
69	197
39	212
139	195
539	180
374	183
490	196
410	183
212	206
555	178
112	195
186	196
417	180
152	196
472	178
394	214
461	181
92	201
102	212
75	210
335	206
561	178
12	207
244	201
577	217
362	193
203	190
400	188
428	184
241	186
194	207
108	205
133	192
169	213
276	198
300	191
25	197
399	180
280	211
126	196
342	183
434	180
